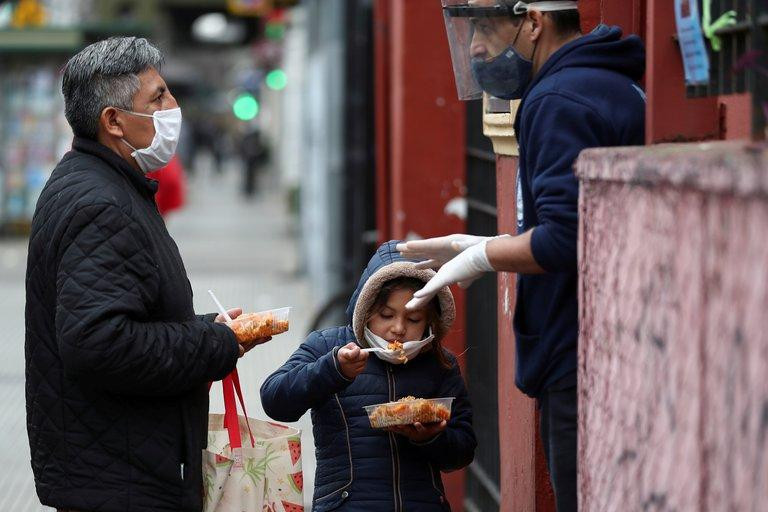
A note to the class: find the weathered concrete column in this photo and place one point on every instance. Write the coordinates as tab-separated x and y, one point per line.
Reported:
673	355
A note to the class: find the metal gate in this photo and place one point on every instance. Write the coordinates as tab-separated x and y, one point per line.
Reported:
360	238
482	492
741	64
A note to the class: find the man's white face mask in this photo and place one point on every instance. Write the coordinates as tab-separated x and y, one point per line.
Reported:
163	147
411	348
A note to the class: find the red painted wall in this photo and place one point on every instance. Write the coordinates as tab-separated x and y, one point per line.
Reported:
737	112
382	64
670	115
427	130
420	141
420	122
627	14
516	424
525	481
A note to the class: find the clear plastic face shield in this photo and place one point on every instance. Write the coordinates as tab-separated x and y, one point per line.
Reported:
484	32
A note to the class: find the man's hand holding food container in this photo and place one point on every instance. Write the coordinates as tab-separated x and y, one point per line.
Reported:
245	343
252	329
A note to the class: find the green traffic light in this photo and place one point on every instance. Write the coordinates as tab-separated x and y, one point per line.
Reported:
274	31
277	80
245	107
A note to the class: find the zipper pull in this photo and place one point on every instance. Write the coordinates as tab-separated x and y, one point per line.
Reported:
182	471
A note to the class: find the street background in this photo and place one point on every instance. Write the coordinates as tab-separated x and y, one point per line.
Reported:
232	199
315	130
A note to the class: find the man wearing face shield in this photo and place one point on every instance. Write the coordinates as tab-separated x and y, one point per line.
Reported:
116	360
577	91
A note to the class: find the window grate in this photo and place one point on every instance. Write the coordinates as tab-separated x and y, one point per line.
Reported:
741	65
483	477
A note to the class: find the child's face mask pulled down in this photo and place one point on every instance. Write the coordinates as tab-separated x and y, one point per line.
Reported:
411	348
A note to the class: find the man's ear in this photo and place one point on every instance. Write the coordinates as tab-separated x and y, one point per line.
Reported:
537	22
110	123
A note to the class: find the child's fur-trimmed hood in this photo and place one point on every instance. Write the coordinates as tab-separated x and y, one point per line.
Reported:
385	265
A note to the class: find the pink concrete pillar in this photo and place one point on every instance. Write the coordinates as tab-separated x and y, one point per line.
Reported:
673	351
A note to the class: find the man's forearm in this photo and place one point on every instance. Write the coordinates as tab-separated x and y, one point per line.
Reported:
513	254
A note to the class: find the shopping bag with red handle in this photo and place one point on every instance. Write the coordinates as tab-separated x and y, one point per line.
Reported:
250	465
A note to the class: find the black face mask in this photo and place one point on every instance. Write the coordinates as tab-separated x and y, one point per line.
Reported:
505	76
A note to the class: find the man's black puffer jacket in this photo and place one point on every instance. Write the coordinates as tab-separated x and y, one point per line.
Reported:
116	359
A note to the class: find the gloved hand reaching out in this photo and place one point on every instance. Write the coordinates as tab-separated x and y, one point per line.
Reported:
438	251
469	265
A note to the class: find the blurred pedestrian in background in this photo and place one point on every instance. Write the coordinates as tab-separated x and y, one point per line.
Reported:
171	186
254	153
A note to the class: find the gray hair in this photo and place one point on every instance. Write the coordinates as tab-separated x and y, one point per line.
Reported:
104	74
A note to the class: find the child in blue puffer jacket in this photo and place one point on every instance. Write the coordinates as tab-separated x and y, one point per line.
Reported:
360	468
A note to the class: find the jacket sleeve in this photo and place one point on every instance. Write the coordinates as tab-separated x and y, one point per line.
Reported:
454	447
106	285
208	317
557	128
309	377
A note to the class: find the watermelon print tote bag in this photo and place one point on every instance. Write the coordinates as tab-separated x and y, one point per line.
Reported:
250	465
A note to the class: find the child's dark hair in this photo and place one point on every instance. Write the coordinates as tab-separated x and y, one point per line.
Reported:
432	310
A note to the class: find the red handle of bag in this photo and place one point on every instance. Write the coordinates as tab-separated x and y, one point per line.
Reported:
230	413
239	393
231	387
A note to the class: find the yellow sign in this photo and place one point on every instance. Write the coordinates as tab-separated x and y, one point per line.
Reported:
28	13
249	7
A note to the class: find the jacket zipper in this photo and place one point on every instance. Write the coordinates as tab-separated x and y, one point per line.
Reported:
349	452
393	446
434	482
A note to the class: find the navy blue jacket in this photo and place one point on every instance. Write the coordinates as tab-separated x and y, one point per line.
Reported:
360	468
586	95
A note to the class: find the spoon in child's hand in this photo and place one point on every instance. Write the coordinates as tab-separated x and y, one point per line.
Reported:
374	349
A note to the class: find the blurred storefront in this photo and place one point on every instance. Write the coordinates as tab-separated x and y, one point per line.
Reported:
326	148
33	131
36	38
206	71
33	136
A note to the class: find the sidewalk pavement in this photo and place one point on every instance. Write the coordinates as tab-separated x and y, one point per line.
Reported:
246	251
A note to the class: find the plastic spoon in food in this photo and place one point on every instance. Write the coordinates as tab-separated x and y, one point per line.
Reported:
221	308
375	349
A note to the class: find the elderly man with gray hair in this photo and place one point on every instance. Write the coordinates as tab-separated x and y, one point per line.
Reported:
117	361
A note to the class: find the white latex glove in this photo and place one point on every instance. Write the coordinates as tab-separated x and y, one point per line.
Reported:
438	251
469	265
